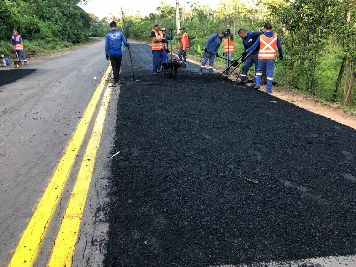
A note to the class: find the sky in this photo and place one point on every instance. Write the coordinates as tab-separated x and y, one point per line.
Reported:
103	8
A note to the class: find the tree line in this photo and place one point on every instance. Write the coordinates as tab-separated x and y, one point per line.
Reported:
47	23
319	38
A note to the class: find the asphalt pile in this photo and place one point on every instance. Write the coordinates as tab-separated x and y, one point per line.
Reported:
210	173
12	75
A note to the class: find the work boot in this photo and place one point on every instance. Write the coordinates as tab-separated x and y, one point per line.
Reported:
113	84
240	81
257	87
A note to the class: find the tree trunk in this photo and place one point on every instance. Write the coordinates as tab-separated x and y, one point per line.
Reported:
177	16
122	21
311	81
350	82
339	78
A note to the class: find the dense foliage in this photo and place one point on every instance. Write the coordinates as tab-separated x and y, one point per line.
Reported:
46	24
318	37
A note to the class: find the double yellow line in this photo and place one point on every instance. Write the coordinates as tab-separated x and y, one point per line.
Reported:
63	250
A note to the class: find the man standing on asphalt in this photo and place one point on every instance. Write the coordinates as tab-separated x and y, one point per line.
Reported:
158	47
113	49
17	42
248	39
184	44
212	45
268	43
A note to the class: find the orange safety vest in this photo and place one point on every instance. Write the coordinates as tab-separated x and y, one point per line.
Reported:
184	41
229	45
268	47
17	39
160	45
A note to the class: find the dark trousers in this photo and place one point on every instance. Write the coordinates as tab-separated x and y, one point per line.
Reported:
20	54
116	65
249	61
182	54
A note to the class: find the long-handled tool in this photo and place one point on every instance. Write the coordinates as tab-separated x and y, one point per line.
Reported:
234	64
132	68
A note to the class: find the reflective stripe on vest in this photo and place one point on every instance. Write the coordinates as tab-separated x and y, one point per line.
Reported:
160	45
17	46
228	45
268	47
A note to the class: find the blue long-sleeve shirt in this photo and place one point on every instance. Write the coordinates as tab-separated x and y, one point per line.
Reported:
167	37
113	42
212	44
14	42
250	39
254	47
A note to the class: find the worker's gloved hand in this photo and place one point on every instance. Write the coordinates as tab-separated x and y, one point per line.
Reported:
280	57
107	56
128	45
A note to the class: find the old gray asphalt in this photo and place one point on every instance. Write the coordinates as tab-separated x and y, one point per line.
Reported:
38	114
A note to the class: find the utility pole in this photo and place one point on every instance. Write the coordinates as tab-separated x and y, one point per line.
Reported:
177	16
122	20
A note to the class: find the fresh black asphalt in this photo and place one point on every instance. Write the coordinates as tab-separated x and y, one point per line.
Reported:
12	75
210	173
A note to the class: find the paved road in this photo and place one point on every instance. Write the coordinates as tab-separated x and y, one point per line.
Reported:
213	174
39	112
205	173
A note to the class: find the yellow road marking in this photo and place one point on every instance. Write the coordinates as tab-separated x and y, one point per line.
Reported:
64	247
30	243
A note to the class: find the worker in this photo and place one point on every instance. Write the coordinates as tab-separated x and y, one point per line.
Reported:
229	47
183	39
212	45
268	44
157	42
165	51
4	61
248	39
17	42
166	39
113	49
